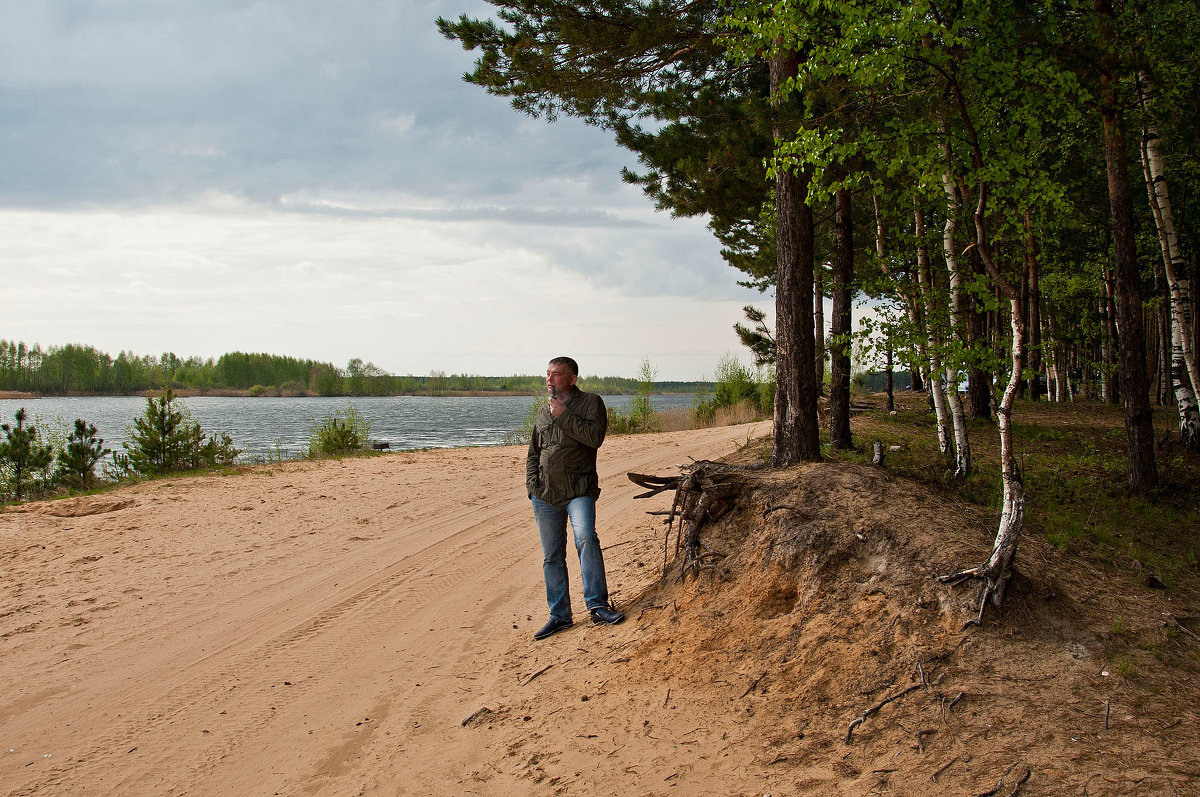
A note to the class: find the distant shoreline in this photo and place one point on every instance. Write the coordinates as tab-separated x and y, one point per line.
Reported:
228	393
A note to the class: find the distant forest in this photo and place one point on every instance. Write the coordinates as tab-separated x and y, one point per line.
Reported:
84	370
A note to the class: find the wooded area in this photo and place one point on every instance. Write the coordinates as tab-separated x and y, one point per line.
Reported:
993	148
76	369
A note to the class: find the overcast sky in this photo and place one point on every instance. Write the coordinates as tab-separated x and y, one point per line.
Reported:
315	179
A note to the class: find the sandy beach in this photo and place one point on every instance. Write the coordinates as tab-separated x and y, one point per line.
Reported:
337	627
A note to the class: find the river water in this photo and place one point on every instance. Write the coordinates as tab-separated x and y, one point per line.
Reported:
267	428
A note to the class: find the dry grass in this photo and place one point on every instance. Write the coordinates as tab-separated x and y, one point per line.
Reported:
684	418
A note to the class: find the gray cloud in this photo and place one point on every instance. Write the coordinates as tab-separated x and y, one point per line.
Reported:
141	101
233	133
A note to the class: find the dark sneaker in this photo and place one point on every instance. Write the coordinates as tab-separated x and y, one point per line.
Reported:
606	616
552	627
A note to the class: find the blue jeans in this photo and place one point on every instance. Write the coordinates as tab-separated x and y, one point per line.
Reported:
552	528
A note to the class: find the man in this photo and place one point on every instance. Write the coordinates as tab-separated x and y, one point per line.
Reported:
560	475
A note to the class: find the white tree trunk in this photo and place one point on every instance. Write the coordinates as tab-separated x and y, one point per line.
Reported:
962	444
1012	514
1184	377
819	326
931	351
995	571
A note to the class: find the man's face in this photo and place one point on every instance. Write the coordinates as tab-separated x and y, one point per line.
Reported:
559	379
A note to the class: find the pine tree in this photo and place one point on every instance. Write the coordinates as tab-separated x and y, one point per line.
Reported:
78	459
159	439
23	453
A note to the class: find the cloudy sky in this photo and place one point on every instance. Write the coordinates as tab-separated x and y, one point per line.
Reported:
315	179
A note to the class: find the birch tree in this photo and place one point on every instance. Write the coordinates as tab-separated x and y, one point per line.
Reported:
1184	375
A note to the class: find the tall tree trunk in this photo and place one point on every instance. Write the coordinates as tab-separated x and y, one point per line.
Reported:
819	328
880	252
962	444
797	431
1139	427
932	342
1185	378
1033	272
979	386
1111	335
839	347
890	383
996	570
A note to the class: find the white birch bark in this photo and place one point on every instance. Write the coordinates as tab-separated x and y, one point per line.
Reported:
819	327
995	571
930	351
1185	379
962	444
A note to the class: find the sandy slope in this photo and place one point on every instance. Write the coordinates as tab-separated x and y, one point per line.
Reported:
317	628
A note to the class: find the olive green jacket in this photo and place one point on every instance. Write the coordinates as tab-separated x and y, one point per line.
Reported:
561	463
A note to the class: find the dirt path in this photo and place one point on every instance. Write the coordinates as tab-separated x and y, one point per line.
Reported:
300	629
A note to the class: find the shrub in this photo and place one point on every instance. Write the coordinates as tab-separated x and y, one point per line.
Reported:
640	417
737	385
338	433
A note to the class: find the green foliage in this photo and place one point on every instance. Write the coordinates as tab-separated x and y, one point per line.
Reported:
78	458
166	440
640	417
759	338
736	384
339	433
23	456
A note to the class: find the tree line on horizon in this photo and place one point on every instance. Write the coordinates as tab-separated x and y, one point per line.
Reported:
1009	181
76	369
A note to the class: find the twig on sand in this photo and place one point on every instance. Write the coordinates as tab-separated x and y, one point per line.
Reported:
943	768
753	685
483	712
1000	783
863	718
536	674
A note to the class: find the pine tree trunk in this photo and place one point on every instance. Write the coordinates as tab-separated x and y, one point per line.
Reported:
839	349
797	435
1184	377
1139	428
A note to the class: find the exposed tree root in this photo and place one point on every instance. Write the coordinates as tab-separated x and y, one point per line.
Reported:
863	717
704	492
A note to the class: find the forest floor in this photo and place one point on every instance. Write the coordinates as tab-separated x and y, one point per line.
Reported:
363	627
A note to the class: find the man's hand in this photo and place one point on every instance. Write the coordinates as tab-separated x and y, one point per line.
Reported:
557	407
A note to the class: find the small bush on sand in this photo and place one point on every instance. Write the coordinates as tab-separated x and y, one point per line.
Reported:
338	433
